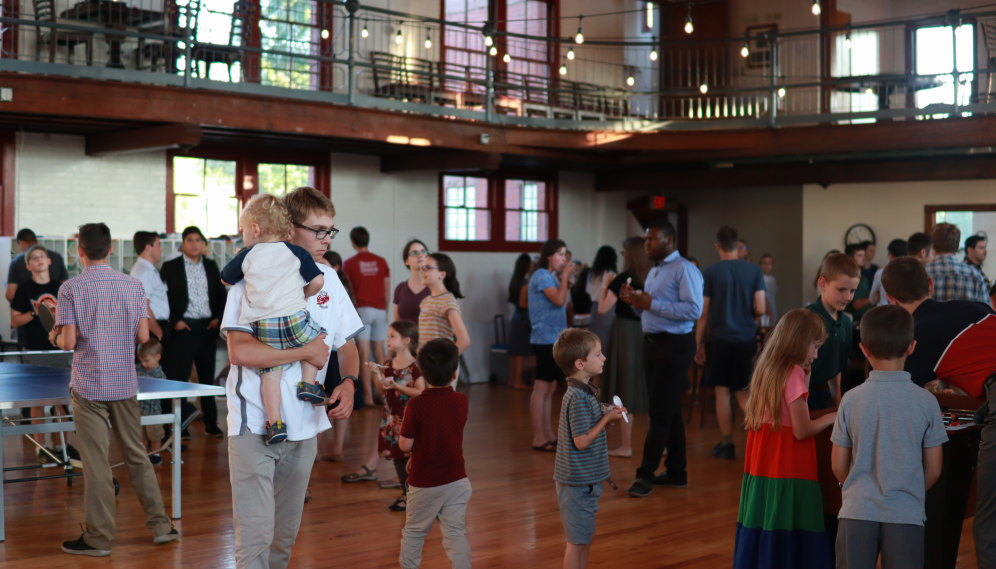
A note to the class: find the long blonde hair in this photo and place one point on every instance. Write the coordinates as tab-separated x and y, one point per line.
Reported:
788	346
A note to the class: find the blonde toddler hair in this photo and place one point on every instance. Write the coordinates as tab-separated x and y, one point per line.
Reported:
270	214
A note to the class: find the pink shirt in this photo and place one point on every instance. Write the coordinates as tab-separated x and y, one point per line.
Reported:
795	388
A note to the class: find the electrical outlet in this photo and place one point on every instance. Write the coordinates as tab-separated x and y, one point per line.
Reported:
6	94
485	138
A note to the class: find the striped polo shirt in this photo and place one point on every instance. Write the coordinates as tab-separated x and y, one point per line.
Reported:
433	319
579	412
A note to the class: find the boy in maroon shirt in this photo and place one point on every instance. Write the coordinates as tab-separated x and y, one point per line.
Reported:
437	482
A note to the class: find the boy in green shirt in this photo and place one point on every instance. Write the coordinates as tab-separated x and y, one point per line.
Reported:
839	278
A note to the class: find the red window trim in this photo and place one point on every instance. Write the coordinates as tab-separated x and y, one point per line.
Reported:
496	197
247	160
8	149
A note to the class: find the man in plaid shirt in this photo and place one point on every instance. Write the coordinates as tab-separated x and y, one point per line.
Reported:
102	313
954	280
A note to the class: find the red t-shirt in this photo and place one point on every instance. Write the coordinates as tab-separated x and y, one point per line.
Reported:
366	273
435	420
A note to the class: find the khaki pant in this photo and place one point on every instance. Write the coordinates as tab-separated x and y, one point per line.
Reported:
448	503
268	488
91	419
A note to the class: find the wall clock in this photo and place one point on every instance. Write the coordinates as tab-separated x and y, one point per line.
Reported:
858	233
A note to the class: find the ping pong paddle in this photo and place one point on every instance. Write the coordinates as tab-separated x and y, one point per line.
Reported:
45	316
618	403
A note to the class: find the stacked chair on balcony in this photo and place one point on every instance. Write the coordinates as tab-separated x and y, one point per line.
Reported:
232	53
52	37
178	22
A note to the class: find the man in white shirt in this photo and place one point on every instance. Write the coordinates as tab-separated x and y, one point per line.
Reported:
269	482
897	248
149	249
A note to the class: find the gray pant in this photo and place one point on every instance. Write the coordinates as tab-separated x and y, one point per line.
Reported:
449	504
984	527
860	541
268	487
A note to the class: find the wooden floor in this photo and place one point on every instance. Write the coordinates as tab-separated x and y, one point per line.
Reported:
512	521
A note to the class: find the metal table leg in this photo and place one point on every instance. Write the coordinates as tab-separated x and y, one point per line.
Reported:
177	444
3	535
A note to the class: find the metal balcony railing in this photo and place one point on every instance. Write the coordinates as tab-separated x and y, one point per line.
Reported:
346	53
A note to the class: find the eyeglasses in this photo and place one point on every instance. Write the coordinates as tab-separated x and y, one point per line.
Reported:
319	233
418	253
425	268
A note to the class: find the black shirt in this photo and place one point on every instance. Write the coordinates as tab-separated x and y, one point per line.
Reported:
954	343
624	310
19	271
27	298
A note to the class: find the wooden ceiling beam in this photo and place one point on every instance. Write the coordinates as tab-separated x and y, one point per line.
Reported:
447	161
797	174
166	137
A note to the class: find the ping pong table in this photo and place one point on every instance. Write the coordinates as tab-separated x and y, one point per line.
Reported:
24	385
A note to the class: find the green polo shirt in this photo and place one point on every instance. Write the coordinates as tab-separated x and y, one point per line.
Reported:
835	353
863	291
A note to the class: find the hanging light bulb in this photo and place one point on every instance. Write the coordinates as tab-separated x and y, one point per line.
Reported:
364	32
630	81
816	8
847	37
570	54
579	39
653	55
488	41
506	58
325	34
398	39
689	28
781	92
745	50
703	88
493	51
428	41
563	68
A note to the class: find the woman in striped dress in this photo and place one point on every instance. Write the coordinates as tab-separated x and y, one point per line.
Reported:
780	524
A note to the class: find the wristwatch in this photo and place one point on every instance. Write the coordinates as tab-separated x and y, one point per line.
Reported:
351	379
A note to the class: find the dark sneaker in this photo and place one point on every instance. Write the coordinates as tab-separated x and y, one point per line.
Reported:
674	482
72	452
312	393
724	451
173	535
79	547
640	489
214	432
275	433
155	459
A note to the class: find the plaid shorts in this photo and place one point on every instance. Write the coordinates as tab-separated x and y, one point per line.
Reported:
286	332
151	407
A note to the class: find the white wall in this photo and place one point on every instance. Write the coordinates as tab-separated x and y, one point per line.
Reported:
893	211
398	207
60	188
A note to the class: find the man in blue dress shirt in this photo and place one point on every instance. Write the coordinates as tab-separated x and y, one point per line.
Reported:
669	305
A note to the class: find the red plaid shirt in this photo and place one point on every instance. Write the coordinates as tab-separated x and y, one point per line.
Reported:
105	306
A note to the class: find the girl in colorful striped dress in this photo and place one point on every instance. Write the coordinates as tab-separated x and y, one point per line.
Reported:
780	524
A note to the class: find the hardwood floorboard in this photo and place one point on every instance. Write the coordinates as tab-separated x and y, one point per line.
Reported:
512	521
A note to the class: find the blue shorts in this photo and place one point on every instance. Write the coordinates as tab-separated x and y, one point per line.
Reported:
578	505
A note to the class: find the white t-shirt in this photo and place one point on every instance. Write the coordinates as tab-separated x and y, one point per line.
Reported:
331	309
275	275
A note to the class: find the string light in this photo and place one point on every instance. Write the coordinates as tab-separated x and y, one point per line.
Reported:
563	68
570	54
745	50
847	37
364	32
689	28
781	92
630	81
506	58
816	8
428	40
703	88
493	51
579	39
325	34
488	41
653	51
398	39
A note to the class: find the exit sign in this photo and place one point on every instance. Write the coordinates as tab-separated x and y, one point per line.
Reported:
657	202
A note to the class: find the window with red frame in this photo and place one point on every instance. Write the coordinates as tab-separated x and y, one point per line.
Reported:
496	212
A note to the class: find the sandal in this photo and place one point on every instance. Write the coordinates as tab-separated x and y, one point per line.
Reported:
549	446
368	475
399	505
389	484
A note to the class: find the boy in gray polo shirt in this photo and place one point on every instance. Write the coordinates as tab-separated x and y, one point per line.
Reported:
886	451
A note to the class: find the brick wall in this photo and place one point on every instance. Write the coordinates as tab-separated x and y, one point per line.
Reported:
60	188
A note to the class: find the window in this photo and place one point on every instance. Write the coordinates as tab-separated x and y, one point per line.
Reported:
529	57
278	179
496	212
859	59
933	55
463	49
204	194
290	27
214	26
971	219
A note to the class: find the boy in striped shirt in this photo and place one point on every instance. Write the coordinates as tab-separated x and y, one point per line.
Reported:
582	454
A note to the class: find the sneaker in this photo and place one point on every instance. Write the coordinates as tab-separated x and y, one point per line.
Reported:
79	547
214	432
275	433
155	459
173	535
672	481
44	458
640	489
725	451
312	393
72	452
